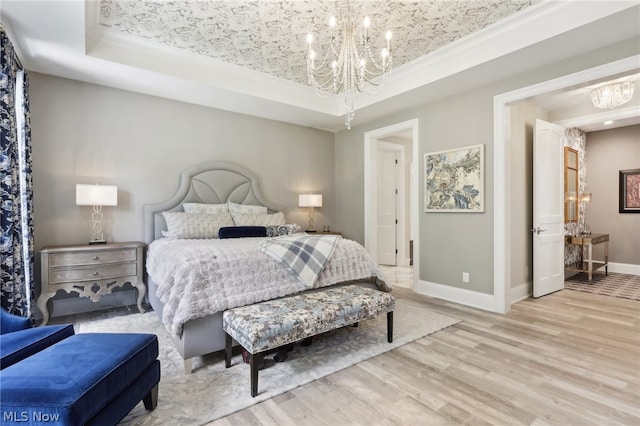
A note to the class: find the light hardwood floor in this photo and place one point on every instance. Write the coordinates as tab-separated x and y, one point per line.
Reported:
569	358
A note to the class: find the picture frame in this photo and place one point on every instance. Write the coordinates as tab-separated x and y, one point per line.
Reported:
629	187
454	180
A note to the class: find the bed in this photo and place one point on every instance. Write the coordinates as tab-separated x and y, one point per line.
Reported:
218	183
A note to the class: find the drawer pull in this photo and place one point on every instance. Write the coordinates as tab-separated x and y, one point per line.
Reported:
96	258
95	274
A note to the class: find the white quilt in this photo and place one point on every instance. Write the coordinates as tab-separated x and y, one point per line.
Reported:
196	278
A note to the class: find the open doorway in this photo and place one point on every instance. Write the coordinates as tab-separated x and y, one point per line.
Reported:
503	190
390	217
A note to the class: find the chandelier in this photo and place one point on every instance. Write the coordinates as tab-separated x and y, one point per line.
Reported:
612	95
349	65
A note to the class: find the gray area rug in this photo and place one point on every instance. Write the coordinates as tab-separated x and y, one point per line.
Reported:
213	391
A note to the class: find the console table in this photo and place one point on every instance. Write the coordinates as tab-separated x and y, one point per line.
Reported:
587	264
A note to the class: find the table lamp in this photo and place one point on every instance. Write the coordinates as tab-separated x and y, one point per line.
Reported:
311	201
96	196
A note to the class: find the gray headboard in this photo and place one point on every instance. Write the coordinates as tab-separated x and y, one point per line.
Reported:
215	182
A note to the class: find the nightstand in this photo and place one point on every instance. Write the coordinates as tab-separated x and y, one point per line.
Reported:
91	271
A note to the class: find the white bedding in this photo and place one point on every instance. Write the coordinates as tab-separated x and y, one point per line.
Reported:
196	278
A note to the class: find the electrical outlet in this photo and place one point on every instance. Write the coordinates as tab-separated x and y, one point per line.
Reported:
465	277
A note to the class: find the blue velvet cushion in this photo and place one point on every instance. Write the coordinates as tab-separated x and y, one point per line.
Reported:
242	231
72	381
19	345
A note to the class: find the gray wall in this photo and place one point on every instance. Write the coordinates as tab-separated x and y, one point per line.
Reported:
450	243
84	133
608	152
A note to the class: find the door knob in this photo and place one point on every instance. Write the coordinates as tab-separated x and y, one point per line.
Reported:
537	230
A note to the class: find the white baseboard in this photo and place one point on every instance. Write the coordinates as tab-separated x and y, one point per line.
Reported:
78	305
624	268
458	295
520	292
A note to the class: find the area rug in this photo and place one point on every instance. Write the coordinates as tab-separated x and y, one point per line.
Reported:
616	285
213	391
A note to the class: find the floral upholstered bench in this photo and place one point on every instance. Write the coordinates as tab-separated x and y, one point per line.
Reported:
268	325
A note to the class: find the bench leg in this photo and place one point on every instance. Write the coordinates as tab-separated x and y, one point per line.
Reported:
150	400
227	350
390	326
255	361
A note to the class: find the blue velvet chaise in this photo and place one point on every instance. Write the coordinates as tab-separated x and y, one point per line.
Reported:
52	375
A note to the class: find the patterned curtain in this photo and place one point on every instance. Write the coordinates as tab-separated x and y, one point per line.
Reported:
16	192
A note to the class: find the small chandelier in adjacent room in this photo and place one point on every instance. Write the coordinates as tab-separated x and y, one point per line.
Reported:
349	65
612	95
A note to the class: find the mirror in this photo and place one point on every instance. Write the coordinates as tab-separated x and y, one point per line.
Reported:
570	185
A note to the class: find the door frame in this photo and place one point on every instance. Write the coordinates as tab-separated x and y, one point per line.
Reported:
370	186
501	159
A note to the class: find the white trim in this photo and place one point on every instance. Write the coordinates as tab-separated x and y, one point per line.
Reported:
502	235
521	292
624	268
454	294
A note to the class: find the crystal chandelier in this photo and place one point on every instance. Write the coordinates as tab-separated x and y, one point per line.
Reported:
612	95
349	65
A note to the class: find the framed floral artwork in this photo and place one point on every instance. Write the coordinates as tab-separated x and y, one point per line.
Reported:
629	191
454	180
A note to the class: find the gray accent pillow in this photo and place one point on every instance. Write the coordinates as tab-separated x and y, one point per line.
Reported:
195	225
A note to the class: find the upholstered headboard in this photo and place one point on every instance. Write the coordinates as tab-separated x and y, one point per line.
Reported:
215	182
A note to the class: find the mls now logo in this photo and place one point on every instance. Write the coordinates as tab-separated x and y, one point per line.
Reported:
25	416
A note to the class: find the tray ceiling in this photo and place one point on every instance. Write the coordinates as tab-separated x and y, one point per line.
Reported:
249	56
269	36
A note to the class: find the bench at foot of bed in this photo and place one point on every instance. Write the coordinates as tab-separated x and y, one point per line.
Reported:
268	325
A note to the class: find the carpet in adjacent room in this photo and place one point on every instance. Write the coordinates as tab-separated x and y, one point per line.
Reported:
624	286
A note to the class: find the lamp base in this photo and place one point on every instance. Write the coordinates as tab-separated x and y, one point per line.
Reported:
97	242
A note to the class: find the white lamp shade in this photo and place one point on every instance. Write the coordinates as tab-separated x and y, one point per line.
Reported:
96	195
310	200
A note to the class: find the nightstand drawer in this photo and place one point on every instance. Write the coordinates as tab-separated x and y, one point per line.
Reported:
88	274
91	258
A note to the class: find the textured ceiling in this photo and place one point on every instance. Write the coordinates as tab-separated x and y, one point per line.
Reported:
269	35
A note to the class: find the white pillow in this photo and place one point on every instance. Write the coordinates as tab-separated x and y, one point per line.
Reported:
204	208
195	225
246	208
258	219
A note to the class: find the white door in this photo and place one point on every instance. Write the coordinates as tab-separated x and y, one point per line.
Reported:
387	205
548	209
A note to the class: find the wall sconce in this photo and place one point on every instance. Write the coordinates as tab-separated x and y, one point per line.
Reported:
585	198
570	198
311	201
96	196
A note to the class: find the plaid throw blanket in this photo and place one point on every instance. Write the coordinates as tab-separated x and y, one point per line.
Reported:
303	255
